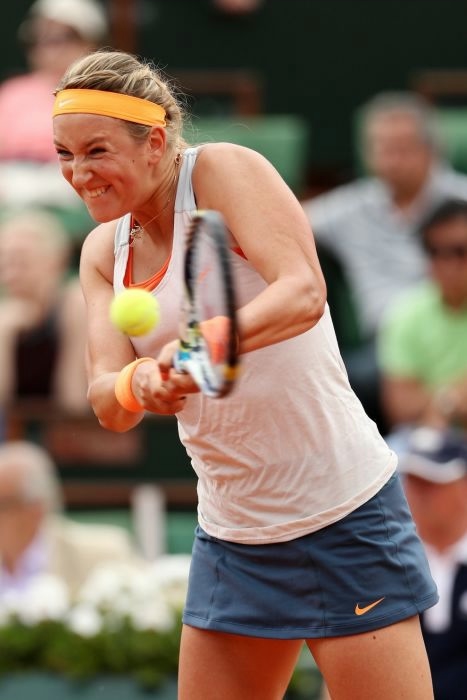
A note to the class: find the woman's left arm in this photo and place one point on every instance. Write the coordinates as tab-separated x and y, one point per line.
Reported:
269	225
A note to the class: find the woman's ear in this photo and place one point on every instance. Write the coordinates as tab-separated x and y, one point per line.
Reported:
157	143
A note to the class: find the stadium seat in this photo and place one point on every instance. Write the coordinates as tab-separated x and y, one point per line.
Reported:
282	139
453	134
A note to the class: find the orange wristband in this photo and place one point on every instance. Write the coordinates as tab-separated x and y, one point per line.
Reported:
123	390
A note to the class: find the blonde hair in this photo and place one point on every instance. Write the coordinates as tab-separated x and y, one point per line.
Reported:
117	71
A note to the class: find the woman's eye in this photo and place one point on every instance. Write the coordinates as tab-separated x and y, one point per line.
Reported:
63	154
97	151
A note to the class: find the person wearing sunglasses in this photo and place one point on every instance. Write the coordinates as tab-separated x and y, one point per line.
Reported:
423	338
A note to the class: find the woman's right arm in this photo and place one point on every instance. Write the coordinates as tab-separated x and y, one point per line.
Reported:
107	349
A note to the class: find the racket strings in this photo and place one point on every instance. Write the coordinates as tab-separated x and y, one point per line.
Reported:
212	299
209	344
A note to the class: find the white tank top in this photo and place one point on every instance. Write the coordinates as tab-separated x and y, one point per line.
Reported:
291	450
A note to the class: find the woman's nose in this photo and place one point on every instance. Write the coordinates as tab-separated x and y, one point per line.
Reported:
81	172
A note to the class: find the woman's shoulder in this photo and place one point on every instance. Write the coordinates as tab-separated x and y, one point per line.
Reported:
100	238
213	153
223	163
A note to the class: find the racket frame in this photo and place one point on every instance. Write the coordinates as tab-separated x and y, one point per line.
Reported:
193	354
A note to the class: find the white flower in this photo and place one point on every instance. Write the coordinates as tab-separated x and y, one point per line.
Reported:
84	620
114	598
148	596
154	615
46	598
171	568
106	583
169	576
10	604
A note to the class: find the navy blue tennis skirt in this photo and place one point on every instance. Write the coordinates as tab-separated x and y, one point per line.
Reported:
366	571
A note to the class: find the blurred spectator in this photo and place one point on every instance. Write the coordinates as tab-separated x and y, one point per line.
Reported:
422	344
35	537
370	225
42	314
435	479
54	33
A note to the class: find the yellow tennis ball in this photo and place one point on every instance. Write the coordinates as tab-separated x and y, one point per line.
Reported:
134	311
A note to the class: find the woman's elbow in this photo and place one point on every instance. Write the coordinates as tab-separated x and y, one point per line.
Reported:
110	415
316	296
119	422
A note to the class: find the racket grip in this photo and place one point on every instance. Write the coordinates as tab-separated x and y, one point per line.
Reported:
179	360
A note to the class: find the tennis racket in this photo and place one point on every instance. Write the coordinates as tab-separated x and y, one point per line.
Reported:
208	347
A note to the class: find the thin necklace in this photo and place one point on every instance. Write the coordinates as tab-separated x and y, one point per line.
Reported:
136	231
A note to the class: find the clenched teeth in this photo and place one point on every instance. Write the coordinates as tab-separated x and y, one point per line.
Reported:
96	193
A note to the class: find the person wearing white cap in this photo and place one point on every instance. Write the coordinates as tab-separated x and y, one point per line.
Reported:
86	17
53	34
435	480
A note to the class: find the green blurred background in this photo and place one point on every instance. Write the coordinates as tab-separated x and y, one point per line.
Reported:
316	58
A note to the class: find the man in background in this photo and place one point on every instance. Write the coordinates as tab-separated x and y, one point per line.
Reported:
36	538
435	480
422	339
370	225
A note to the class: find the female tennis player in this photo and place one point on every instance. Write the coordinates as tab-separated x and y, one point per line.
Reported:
304	533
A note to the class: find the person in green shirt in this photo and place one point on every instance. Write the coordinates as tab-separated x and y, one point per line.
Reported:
422	342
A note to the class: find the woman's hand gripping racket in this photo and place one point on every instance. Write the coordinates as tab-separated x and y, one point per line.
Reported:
208	334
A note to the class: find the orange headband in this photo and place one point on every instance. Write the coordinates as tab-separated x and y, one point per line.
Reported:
109	104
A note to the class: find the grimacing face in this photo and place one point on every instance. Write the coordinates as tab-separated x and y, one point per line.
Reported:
107	167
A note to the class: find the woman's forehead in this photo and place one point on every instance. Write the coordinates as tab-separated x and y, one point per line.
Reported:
88	127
